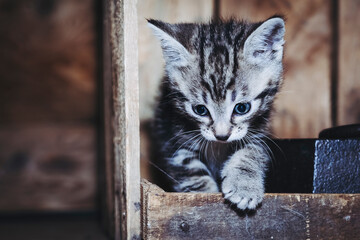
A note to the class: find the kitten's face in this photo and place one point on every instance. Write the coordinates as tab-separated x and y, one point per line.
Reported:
226	120
228	73
228	106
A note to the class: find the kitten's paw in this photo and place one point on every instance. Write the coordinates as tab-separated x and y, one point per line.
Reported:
241	195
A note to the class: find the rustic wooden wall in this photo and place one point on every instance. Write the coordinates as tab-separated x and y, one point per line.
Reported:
47	168
47	61
47	105
348	91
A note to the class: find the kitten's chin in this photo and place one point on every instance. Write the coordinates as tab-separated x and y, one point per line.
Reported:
223	142
212	138
229	140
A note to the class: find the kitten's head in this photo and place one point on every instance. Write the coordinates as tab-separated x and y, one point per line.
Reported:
227	73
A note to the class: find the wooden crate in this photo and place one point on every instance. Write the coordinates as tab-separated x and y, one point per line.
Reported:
282	216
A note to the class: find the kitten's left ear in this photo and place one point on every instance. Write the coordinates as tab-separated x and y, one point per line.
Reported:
266	42
175	54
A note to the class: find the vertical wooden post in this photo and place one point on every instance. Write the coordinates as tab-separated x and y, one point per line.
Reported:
121	196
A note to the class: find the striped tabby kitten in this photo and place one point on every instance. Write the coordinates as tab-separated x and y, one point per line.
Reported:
215	103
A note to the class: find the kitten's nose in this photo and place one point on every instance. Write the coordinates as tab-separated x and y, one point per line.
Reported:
222	137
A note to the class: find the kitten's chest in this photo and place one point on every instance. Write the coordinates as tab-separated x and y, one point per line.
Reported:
214	155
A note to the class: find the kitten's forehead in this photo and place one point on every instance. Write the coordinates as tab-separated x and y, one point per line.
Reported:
221	61
217	47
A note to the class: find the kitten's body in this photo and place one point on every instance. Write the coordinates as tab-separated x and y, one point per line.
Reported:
216	98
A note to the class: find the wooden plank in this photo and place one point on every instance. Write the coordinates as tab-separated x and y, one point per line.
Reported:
303	106
150	57
47	168
349	57
47	80
47	61
281	216
121	120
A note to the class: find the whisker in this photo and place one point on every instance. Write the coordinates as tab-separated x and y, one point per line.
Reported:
163	171
179	148
271	140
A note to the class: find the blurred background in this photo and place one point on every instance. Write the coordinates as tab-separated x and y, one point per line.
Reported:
49	84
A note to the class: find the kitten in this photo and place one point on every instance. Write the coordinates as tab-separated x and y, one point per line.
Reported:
216	99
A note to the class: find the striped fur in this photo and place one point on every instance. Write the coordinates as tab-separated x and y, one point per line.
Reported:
216	98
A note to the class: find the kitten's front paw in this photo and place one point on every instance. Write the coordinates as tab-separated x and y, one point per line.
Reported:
244	194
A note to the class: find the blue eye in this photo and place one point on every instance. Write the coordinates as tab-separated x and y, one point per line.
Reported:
200	110
242	108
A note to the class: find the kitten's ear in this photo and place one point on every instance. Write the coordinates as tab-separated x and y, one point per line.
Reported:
175	53
266	42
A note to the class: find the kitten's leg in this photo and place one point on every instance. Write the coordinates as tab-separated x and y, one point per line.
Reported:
243	177
190	174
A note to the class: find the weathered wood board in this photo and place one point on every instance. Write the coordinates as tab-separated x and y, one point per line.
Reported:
47	61
281	216
47	168
348	62
303	106
47	105
121	173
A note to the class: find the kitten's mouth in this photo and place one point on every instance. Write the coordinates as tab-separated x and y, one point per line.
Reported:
222	139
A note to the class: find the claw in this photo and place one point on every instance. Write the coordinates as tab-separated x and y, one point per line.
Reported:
228	194
243	204
252	204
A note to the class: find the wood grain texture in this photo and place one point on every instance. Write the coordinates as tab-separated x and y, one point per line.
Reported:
150	57
47	168
47	61
303	106
281	216
121	120
349	58
47	105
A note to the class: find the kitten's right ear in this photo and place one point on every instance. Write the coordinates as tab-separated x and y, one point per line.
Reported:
175	54
266	42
